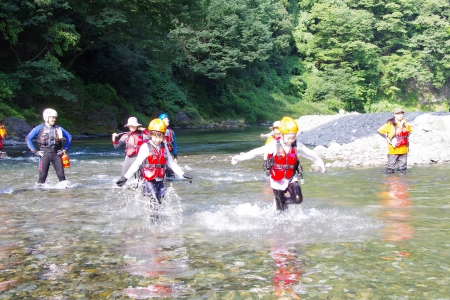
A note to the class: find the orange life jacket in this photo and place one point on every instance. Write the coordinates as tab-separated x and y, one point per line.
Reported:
133	143
155	164
283	163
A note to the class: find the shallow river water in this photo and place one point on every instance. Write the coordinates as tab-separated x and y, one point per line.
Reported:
360	234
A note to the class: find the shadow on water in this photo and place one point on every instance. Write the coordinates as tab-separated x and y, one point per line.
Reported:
359	234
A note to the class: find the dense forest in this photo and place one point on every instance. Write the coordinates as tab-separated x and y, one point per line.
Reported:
99	61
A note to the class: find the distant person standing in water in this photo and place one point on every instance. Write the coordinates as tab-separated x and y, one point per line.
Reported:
396	132
171	142
50	139
3	135
154	157
132	141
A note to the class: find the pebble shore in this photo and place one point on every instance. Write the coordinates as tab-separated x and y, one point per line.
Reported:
351	139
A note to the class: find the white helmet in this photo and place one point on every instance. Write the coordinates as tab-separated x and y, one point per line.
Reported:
49	112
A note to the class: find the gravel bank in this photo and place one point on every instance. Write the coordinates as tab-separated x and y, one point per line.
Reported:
344	140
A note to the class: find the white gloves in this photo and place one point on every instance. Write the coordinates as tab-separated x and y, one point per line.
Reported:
39	153
394	142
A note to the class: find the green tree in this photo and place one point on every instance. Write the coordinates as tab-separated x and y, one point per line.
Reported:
335	40
234	34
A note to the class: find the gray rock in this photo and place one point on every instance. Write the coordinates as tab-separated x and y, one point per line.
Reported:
17	127
352	140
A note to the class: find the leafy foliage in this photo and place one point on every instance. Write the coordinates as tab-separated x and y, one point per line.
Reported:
220	59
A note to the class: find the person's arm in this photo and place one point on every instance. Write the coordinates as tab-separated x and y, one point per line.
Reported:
171	164
33	133
247	155
311	155
68	138
383	131
142	155
146	135
409	128
122	140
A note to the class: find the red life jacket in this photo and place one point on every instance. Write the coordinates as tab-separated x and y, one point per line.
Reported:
134	141
283	163
402	136
155	164
169	139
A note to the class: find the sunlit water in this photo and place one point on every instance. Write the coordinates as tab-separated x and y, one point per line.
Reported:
360	234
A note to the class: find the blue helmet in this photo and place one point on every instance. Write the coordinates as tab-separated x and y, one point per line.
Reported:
163	116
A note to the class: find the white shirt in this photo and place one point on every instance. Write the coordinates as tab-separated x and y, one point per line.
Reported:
301	150
144	153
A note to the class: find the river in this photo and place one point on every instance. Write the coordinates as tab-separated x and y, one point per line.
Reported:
360	234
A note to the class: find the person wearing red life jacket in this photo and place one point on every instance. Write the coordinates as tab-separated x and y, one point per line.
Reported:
154	157
132	141
171	142
282	160
277	140
396	131
170	138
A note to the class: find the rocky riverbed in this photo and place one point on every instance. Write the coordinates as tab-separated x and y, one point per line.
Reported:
351	139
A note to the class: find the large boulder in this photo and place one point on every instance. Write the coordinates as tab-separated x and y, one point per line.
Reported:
183	119
17	127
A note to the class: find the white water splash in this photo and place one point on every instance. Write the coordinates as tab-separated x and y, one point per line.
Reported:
263	221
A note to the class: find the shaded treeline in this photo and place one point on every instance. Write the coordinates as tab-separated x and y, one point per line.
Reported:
99	62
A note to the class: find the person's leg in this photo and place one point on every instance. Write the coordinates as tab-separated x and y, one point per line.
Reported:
280	199
402	163
160	189
127	163
44	165
391	163
150	190
57	164
295	192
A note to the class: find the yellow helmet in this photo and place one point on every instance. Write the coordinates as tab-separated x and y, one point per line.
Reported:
157	125
288	125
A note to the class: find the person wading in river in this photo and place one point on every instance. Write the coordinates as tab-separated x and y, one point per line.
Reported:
50	137
132	141
171	142
276	139
283	163
396	132
154	157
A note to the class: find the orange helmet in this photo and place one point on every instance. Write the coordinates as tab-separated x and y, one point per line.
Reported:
157	125
288	125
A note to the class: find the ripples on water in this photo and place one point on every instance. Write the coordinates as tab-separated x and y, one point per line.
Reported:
359	234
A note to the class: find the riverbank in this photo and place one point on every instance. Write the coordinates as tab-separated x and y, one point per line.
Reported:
18	129
351	140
